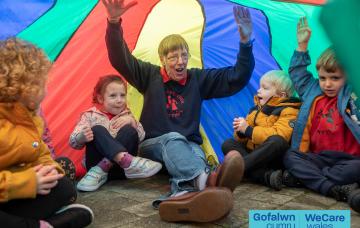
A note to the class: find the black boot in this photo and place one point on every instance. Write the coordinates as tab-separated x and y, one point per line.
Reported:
342	192
273	179
72	216
290	181
354	200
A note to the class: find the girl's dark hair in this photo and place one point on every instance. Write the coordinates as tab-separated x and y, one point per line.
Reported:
103	82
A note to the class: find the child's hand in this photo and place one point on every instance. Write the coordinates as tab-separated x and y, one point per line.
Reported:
86	135
243	20
303	34
122	121
240	124
46	178
116	8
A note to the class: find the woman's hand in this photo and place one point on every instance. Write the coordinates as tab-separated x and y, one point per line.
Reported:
116	8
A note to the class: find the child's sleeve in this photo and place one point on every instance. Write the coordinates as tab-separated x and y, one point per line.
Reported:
140	130
138	73
46	159
240	137
17	185
85	120
300	76
282	127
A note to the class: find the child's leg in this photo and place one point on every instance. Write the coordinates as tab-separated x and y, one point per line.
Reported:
269	154
92	155
97	166
308	168
321	172
344	172
113	150
43	206
10	220
129	138
232	144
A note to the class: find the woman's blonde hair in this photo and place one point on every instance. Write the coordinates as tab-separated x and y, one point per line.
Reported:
281	81
171	43
23	70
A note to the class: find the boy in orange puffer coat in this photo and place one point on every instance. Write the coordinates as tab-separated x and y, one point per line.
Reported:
263	137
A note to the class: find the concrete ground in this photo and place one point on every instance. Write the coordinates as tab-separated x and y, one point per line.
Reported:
127	203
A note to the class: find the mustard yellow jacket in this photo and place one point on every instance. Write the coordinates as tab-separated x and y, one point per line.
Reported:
21	148
276	117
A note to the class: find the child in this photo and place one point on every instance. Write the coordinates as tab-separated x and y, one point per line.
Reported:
263	137
33	191
325	150
111	135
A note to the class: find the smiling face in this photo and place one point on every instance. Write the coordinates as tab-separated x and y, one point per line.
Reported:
331	82
175	64
266	91
114	98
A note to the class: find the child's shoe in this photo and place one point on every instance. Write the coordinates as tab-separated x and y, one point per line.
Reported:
142	168
68	166
290	181
92	180
342	192
354	200
72	216
229	173
194	206
274	179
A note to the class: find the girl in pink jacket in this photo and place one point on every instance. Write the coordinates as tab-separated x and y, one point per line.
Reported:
111	136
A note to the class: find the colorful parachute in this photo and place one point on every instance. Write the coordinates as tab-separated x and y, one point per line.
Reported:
72	34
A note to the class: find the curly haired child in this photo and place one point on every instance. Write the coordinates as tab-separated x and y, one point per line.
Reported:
33	189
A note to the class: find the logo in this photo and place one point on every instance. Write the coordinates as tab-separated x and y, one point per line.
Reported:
174	104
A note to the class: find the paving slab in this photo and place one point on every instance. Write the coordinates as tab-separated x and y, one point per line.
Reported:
127	203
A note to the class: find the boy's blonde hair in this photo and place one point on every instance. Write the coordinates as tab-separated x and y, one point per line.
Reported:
171	43
23	70
327	61
281	81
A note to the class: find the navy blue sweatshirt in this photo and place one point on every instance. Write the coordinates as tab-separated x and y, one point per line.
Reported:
172	107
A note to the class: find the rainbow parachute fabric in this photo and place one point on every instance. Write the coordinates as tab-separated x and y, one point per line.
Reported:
72	33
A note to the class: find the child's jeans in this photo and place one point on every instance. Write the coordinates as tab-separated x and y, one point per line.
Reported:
320	172
183	159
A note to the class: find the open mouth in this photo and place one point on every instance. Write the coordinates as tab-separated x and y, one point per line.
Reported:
179	70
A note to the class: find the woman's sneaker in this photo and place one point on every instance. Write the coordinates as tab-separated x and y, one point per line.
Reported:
142	168
72	216
92	180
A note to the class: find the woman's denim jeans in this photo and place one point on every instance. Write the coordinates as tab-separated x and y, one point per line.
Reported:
183	159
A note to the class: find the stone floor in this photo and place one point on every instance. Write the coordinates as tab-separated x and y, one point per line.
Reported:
127	203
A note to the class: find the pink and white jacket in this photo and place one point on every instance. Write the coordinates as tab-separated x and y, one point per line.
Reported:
93	117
